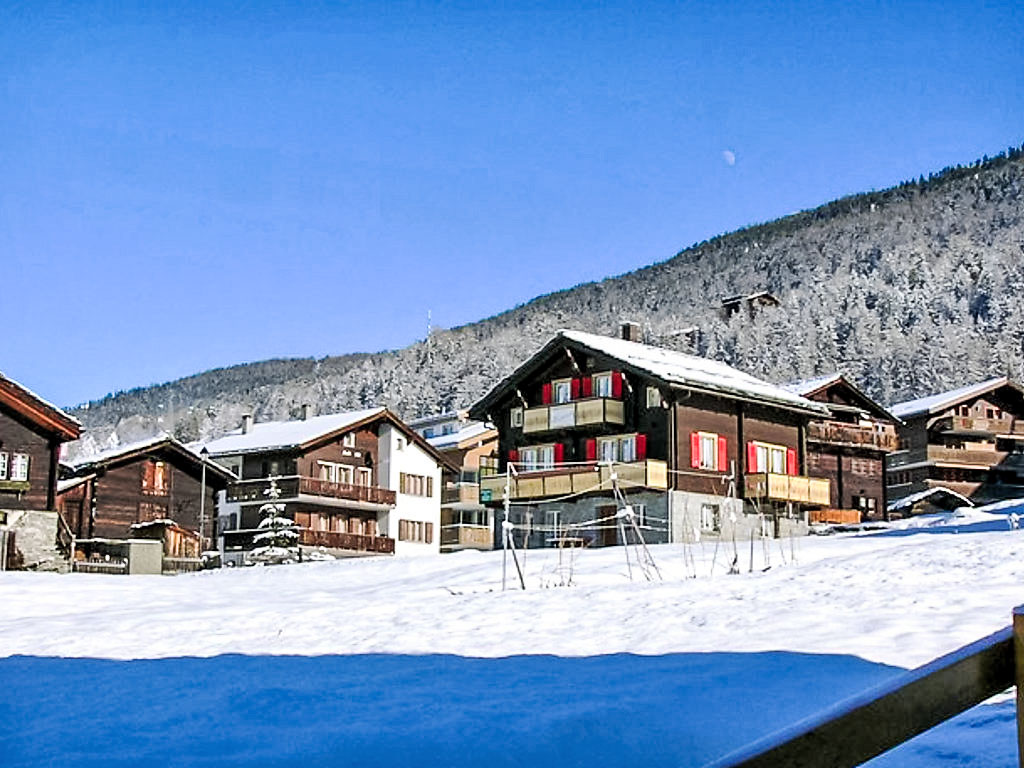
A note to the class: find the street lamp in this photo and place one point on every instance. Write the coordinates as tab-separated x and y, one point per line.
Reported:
204	455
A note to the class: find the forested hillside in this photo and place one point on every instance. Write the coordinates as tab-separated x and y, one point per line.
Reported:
907	290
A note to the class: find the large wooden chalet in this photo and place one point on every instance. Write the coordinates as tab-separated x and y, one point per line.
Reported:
848	447
31	434
355	483
590	425
969	440
151	489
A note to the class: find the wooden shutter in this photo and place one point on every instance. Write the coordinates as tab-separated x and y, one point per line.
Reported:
694	450
430	486
559	452
590	448
430	533
752	458
403	530
575	390
588	386
617	384
723	454
641	447
545	393
791	467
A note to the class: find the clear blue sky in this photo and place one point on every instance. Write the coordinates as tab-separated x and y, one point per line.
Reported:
192	188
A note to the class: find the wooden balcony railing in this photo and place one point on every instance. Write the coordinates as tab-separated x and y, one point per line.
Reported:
354	542
462	493
965	455
975	425
292	485
837	433
864	726
596	411
572	479
463	536
774	487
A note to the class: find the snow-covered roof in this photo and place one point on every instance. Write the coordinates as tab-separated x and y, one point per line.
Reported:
682	370
162	440
68	425
944	400
66	485
909	501
807	386
272	435
467	432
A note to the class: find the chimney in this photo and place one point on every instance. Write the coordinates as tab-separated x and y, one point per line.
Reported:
305	411
631	331
246	423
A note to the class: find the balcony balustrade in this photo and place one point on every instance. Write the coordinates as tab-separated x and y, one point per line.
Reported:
561	481
973	425
770	486
293	485
596	411
854	435
352	542
465	536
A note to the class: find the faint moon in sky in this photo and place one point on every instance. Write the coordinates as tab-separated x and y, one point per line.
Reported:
729	157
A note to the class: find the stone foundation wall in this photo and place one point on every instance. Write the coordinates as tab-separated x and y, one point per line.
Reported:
35	540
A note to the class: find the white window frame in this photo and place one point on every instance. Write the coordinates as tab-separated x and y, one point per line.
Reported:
707	456
553	523
607	449
516	418
19	467
627	448
4	465
534	458
653	397
527	459
349	440
771	458
364	476
561	391
602	384
546	456
710	517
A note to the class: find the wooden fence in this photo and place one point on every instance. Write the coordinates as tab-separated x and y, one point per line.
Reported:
864	726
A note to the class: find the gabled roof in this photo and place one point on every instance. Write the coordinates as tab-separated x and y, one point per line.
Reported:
45	415
473	431
675	369
810	387
943	400
123	454
302	434
940	496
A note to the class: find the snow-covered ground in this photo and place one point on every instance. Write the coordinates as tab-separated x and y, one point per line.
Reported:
418	661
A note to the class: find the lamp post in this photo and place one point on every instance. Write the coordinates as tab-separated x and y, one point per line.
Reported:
204	455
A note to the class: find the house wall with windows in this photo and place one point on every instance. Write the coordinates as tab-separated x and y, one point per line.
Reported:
28	460
415	520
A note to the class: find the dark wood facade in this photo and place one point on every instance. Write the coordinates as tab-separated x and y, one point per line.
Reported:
160	481
849	448
31	433
970	441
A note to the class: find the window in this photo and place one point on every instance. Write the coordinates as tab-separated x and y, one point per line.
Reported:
554	529
416	531
562	390
516	418
766	457
608	449
710	517
364	476
349	440
537	457
603	385
3	466
416	485
627	448
653	397
335	473
154	478
708	456
19	467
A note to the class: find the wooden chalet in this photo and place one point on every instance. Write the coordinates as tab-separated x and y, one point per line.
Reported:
849	448
355	483
151	489
590	425
31	434
465	522
969	440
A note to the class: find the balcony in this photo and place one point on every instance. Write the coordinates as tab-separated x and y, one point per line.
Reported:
768	486
853	435
349	542
594	411
971	425
294	486
461	493
562	481
972	456
463	536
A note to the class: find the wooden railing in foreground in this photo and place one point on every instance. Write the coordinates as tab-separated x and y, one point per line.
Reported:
855	730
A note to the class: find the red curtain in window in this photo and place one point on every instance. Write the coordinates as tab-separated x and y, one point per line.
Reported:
545	393
617	384
723	454
694	450
590	448
752	458
641	447
588	386
791	467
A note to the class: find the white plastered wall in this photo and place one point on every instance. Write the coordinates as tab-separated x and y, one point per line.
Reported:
396	454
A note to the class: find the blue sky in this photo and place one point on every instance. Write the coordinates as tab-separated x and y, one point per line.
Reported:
187	188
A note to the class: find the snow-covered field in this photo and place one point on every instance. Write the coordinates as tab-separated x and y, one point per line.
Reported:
408	662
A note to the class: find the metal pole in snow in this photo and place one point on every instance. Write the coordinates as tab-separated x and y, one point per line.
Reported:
505	527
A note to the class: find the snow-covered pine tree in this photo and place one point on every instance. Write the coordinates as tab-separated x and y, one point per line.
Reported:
277	539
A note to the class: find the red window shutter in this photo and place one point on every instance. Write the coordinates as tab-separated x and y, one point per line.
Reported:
616	384
591	449
575	389
513	455
791	468
545	393
723	454
694	450
751	457
559	453
641	447
588	386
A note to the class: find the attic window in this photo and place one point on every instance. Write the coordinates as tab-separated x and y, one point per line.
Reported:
349	440
516	417
653	397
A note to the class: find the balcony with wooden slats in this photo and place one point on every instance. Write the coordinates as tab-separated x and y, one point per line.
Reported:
580	479
973	425
881	437
347	542
594	411
458	536
294	486
769	486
